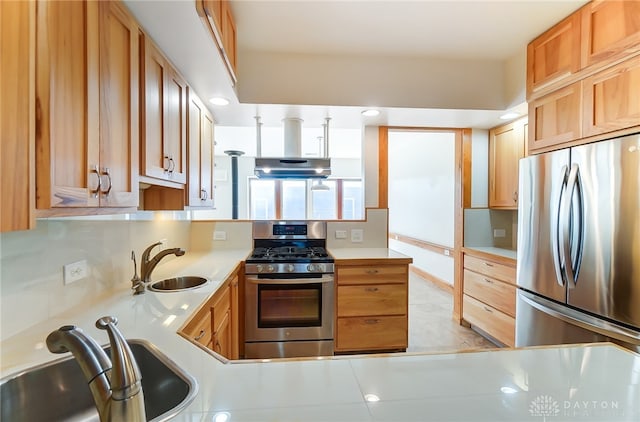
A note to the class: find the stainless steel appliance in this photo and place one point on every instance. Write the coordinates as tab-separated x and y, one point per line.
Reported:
289	291
578	270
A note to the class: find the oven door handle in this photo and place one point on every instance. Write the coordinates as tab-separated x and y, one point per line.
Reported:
285	281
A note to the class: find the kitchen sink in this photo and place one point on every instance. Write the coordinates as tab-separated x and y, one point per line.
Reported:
178	284
58	390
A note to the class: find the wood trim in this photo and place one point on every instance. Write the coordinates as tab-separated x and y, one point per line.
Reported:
340	197
436	281
383	167
278	198
423	244
458	239
466	167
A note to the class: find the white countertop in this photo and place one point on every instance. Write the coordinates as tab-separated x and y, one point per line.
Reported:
507	253
366	253
594	382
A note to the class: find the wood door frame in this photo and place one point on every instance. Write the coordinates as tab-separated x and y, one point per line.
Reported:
462	194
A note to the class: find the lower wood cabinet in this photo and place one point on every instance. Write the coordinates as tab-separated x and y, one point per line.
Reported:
371	307
489	301
215	325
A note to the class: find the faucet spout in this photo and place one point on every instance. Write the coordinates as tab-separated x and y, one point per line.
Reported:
148	265
116	383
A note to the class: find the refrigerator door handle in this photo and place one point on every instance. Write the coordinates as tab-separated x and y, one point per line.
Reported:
555	231
581	319
570	268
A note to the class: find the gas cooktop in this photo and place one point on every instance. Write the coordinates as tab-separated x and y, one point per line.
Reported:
290	253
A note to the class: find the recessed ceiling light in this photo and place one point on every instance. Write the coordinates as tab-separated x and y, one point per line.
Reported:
219	101
511	115
370	112
371	398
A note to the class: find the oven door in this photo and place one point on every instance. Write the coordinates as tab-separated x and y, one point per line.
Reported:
289	309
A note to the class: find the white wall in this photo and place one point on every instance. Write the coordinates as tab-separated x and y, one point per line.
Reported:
479	168
422	185
370	165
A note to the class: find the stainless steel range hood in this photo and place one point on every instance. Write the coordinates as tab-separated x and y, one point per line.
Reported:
293	166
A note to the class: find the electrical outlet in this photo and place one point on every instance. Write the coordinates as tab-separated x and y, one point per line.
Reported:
219	235
499	233
341	234
357	235
75	271
447	252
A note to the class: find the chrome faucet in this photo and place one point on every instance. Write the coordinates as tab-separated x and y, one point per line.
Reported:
116	383
147	265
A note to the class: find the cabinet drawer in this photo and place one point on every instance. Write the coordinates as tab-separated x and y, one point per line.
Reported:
365	333
380	299
200	330
496	293
492	269
495	323
372	274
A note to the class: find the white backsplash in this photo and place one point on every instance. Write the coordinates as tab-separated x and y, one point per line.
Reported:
31	264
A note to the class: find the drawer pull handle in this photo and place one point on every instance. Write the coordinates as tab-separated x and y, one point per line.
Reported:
199	336
371	321
488	264
488	281
488	309
371	289
372	271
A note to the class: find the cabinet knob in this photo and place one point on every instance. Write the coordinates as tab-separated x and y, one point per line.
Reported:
372	271
371	289
107	173
371	321
203	195
515	196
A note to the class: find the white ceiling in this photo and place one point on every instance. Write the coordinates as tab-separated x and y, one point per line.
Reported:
444	29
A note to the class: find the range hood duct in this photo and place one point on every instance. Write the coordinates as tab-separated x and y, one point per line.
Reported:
292	165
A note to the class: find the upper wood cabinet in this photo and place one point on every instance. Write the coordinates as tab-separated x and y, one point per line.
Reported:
17	115
506	148
218	19
86	105
556	117
554	55
164	117
577	104
610	30
200	164
611	98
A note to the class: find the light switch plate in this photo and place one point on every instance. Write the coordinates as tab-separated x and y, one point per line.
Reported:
357	235
341	234
75	271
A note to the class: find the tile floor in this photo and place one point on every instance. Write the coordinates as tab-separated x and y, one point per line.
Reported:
431	328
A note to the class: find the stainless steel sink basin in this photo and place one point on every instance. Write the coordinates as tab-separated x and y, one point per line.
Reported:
177	284
58	391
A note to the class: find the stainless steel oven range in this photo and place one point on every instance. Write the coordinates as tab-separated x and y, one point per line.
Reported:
289	287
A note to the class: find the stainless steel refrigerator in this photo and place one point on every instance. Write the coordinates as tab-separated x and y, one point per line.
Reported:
578	270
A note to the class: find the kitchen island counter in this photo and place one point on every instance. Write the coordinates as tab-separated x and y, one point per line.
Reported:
571	382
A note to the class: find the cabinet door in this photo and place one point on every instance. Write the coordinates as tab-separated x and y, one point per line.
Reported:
200	164
611	98
610	29
119	92
229	34
67	104
556	118
164	114
17	115
506	148
175	124
153	71
554	55
222	336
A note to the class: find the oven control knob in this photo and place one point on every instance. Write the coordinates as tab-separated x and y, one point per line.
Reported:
271	268
260	268
312	267
290	268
